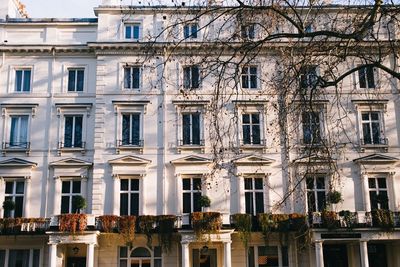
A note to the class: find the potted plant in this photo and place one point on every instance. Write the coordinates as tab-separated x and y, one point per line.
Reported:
330	219
79	203
8	206
348	218
334	197
204	201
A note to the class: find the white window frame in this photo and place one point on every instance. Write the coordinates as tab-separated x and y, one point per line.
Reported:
253	191
249	75
14	180
70	195
377	189
246	30
316	190
129	192
133	24
13	84
191	128
191	191
73	116
31	249
131	88
252	108
369	122
310	77
320	113
66	69
8	112
128	259
190	24
190	87
64	110
375	76
131	107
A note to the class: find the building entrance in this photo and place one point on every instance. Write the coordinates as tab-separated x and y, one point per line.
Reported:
76	262
335	256
204	257
377	255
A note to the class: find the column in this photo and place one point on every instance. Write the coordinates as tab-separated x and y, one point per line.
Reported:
364	253
52	255
365	195
185	254
2	196
90	255
116	189
84	181
227	254
319	253
27	197
57	196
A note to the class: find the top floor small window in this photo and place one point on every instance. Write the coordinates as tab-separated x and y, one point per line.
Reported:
75	79
132	31
366	76
23	80
132	76
247	32
190	30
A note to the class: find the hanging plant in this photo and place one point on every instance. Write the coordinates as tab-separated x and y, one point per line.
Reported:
127	226
243	224
79	203
206	223
8	206
146	226
334	197
204	201
383	218
270	222
166	226
108	223
72	222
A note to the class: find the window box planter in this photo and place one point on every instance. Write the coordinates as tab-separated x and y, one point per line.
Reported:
330	219
206	223
108	223
72	222
382	218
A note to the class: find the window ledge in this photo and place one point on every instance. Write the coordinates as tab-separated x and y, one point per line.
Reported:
381	147
200	148
253	147
138	148
62	149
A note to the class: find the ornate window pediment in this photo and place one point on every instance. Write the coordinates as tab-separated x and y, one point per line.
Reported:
191	160
16	162
129	165
376	159
16	167
70	167
252	160
191	165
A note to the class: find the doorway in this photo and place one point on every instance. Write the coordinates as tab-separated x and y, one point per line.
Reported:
377	255
205	257
76	262
335	256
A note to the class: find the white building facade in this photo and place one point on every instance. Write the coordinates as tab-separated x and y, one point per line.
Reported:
113	110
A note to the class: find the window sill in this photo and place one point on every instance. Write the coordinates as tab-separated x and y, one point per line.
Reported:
379	147
138	148
4	151
253	147
194	148
61	150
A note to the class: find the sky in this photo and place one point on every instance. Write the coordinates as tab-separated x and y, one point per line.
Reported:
61	8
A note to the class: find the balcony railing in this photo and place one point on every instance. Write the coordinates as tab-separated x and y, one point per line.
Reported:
190	142
129	145
253	143
377	142
16	147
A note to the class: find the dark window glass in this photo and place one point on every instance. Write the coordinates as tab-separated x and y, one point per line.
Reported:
9	187
187	203
134	204
66	187
259	202
124	184
249	202
196	201
76	186
123	204
186	184
135	184
64	204
258	183
19	206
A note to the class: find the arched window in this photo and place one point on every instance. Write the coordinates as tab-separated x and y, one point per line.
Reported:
140	257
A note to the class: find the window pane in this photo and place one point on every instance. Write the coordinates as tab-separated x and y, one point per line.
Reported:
19	205
134	204
157	252
65	204
384	203
246	135
20	187
78	131
376	133
128	32
371	183
18	258
27	80
251	257
374	116
135	184
186	77
256	134
186	129
135	129
80	81
123	252
136	31
195	77
123	204
253	81
196	128
194	31
258	183
248	183
310	182
373	200
186	203
123	263
124	184
74	208
127	78
157	263
245	81
186	184
320	182
71	80
367	133
141	252
196	202
126	129
365	116
370	77
18	80
2	257
9	187
321	201
76	186
311	202
135	78
259	202
249	202
285	256
361	77
186	31
196	183
382	182
68	131
66	187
